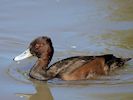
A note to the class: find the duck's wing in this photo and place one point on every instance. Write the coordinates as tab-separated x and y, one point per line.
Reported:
69	64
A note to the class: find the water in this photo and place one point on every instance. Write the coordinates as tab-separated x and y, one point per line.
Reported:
76	27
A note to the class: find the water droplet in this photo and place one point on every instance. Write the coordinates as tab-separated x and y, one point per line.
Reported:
18	62
74	47
21	96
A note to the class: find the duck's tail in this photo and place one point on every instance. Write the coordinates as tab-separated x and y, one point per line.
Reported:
114	62
126	59
121	61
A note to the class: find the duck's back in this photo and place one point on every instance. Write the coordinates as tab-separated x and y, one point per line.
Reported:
83	67
69	64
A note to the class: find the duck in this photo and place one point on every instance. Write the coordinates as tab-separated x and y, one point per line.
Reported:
71	68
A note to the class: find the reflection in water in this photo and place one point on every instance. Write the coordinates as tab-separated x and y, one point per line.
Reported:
122	10
118	42
42	92
120	38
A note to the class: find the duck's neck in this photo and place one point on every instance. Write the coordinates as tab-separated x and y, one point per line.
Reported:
38	71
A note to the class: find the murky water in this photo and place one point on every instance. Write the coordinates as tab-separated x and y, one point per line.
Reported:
77	27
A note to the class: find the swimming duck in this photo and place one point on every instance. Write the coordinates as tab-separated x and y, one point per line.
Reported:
72	68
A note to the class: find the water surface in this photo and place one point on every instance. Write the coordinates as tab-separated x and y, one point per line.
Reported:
87	27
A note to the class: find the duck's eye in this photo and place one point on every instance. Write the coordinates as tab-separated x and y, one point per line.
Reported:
37	46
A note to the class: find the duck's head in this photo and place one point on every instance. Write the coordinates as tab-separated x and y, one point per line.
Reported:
41	47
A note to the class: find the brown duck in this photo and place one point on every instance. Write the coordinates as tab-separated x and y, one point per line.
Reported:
73	68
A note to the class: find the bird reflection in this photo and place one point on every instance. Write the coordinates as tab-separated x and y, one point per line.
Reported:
42	92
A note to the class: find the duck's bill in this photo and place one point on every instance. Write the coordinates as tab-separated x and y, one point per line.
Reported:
24	55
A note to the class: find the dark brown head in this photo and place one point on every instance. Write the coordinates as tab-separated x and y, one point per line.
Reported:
41	47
